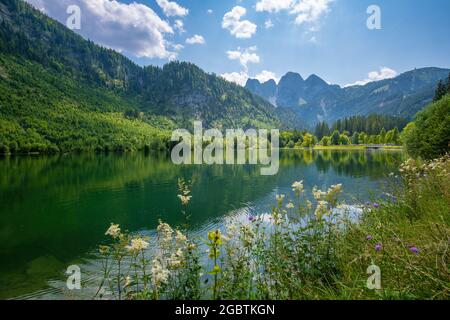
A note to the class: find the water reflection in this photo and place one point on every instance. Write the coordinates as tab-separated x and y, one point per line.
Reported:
54	210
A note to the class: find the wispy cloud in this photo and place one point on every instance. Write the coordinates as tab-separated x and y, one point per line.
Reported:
384	73
273	5
196	39
266	75
305	10
245	56
268	24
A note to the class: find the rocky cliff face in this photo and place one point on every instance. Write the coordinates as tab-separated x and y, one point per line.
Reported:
315	100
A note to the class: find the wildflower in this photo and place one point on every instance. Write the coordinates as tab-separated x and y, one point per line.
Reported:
180	238
104	249
251	218
378	247
184	199
127	282
322	208
160	275
297	187
309	204
215	237
369	237
113	231
318	194
376	205
176	259
414	249
247	235
290	205
231	230
137	244
165	233
280	197
368	203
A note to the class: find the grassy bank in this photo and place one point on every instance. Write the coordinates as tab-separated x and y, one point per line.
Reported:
300	249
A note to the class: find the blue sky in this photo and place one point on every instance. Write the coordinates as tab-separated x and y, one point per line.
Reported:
325	37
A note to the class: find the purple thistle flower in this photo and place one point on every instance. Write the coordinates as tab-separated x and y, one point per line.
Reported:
376	205
251	218
368	203
369	237
414	250
378	247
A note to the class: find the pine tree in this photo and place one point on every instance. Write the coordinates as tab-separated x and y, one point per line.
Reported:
441	90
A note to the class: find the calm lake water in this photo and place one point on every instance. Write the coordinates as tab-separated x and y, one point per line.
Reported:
54	210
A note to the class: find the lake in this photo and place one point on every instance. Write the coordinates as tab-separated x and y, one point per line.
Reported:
54	210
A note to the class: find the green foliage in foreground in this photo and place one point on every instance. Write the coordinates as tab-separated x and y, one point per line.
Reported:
274	256
429	137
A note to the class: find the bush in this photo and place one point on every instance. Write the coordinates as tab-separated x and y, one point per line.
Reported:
430	136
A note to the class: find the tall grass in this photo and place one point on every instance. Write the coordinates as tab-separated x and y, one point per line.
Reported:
300	250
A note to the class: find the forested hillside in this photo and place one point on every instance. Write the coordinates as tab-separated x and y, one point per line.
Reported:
59	92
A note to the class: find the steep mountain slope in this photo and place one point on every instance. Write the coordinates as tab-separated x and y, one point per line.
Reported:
314	100
61	92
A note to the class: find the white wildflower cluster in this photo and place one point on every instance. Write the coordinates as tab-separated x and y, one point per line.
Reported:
322	209
412	169
138	244
180	238
290	205
247	235
280	199
160	275
165	234
297	187
176	260
325	200
184	199
318	194
113	231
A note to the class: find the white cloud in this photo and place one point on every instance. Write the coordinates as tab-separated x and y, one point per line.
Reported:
177	47
244	56
241	29
305	10
179	25
310	10
210	11
273	5
239	78
268	24
172	9
134	28
196	39
265	76
384	73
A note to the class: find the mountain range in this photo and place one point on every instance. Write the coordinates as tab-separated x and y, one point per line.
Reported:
315	100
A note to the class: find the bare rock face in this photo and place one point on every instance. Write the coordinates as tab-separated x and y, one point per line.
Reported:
315	100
